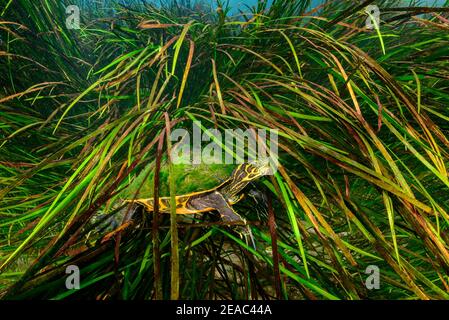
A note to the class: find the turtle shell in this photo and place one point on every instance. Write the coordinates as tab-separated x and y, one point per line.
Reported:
188	178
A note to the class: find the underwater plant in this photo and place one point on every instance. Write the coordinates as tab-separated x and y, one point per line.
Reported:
358	206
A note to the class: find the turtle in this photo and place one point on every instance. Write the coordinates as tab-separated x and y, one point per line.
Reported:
220	197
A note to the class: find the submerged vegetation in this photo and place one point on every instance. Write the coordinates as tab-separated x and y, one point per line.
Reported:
363	123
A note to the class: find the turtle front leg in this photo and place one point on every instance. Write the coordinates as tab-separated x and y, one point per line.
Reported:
228	214
218	202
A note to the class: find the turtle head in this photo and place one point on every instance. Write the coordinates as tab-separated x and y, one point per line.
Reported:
252	170
244	174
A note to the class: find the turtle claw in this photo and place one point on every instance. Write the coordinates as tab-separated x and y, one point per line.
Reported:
246	233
